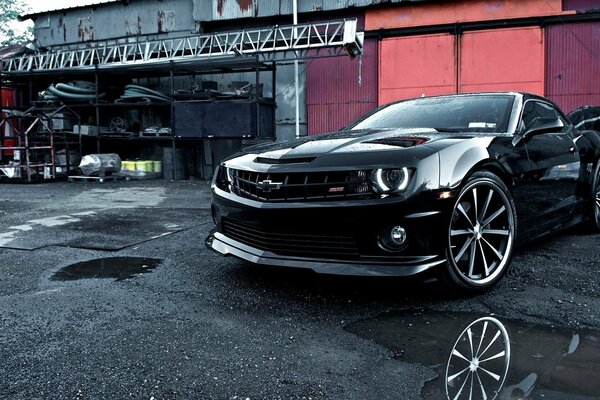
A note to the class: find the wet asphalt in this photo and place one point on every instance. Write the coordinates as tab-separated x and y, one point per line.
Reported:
181	322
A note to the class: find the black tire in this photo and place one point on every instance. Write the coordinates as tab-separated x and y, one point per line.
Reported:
595	194
481	234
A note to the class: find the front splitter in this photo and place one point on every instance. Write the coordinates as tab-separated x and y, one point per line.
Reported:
402	267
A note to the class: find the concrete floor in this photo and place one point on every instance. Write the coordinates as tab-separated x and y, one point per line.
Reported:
206	327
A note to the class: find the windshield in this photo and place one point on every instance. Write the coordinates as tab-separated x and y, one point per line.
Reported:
480	113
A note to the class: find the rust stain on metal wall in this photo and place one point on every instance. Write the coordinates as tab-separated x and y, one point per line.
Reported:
85	29
245	5
63	25
161	21
244	8
165	21
133	27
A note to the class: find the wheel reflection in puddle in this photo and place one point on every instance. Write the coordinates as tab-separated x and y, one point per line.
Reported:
479	361
490	357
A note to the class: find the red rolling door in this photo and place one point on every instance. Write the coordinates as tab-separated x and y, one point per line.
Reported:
502	59
414	66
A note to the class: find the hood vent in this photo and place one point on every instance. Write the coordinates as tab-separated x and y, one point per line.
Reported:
264	160
400	141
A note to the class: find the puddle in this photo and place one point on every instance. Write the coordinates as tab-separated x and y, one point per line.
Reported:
490	357
119	268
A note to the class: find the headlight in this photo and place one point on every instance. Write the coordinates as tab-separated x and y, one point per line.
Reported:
390	180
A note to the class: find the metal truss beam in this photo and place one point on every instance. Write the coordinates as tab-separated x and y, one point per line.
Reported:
276	43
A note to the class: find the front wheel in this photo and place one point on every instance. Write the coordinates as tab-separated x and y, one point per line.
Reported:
481	234
596	198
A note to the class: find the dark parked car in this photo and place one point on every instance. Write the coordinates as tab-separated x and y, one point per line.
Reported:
449	184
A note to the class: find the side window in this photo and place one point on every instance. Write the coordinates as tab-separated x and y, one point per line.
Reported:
535	110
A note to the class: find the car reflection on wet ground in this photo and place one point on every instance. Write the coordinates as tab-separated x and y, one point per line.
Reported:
119	268
488	356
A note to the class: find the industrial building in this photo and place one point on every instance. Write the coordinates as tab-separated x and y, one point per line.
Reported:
217	105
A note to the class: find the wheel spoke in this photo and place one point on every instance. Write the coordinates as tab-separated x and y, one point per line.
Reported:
459	355
483	393
453	377
503	232
501	354
486	205
485	264
496	252
457	232
475	205
493	375
472	259
493	216
485	324
464	248
464	213
491	343
471	389
470	335
462	387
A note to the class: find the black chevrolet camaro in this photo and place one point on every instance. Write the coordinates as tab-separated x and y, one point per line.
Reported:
447	184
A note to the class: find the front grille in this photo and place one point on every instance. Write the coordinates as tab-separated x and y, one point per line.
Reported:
291	244
281	187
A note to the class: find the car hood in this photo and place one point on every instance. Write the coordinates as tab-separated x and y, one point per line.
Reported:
352	147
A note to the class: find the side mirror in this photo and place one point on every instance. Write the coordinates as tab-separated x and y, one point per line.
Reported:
541	125
537	126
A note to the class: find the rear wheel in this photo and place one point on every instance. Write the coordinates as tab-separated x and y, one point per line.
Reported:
596	198
481	234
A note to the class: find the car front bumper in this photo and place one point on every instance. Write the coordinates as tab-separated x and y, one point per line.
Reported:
334	237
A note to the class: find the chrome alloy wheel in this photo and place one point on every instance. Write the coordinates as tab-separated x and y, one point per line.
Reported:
596	192
481	232
479	361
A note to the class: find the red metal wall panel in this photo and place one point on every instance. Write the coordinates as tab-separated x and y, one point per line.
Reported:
502	59
581	5
421	13
573	71
7	98
416	65
334	95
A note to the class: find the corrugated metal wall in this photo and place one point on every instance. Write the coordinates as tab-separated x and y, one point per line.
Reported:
115	21
581	5
573	70
414	14
502	59
340	90
414	66
219	10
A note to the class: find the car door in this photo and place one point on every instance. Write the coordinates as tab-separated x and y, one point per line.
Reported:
554	165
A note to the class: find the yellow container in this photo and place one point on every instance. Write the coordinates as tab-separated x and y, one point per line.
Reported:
157	166
128	165
140	165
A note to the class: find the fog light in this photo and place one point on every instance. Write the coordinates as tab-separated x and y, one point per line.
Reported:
398	235
393	239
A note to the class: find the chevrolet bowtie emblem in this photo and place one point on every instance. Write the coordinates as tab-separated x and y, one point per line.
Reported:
267	185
